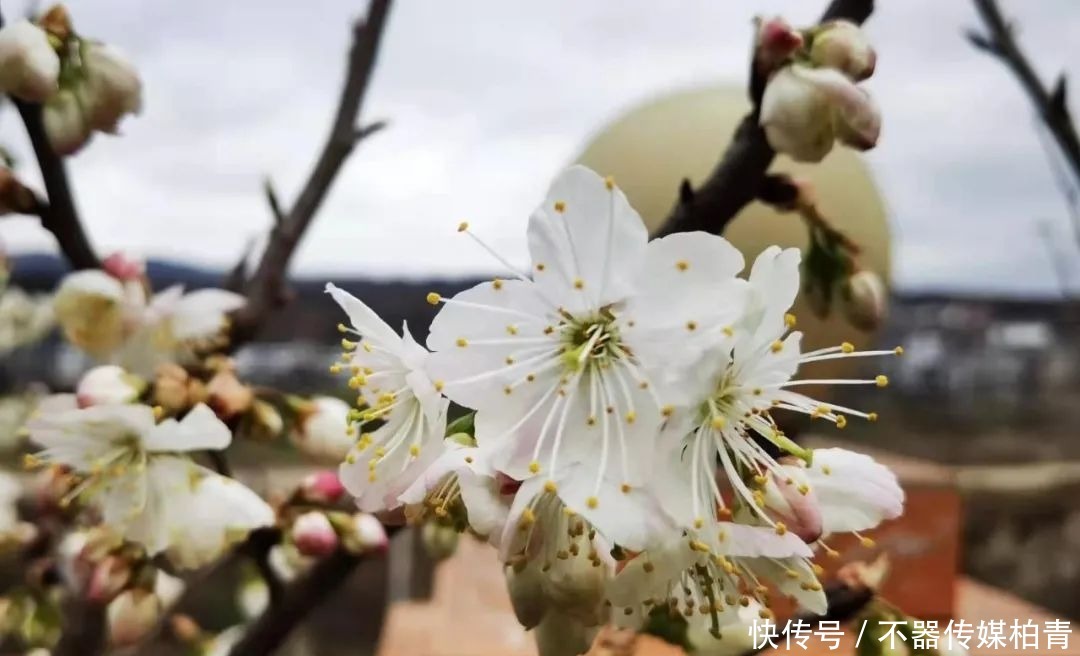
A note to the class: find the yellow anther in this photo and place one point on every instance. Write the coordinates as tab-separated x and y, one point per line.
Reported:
729	331
818	569
509	360
439	385
757	391
899	350
347	345
534	467
841	421
625	487
158	411
463	226
579	283
560	206
30	461
550	487
698	545
667	410
881	380
367	347
691	325
789	320
777	346
527	517
592	502
721	535
609	182
682	265
462	342
847	347
372	477
358	381
804	489
590	421
468	460
335	368
351	458
630	417
530	378
433	298
540	266
699	522
342	328
508	390
781	528
549	329
871	417
867	542
497	284
380	452
759	479
512	329
827	470
414	450
648	567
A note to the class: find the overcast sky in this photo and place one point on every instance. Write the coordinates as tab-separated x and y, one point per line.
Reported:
488	99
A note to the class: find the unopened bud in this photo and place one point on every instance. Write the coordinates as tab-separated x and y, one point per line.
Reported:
132	616
525	585
108	579
111	88
776	42
64	123
171	388
227	395
123	266
366	534
57	22
322	428
440	541
313	535
322	487
29	65
865	300
108	385
842	45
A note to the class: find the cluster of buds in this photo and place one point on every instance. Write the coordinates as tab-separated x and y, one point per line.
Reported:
811	98
318	533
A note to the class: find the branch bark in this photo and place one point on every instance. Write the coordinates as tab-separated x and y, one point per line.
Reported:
737	178
83	629
265	289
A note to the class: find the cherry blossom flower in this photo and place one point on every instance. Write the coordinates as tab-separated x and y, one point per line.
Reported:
29	65
388	372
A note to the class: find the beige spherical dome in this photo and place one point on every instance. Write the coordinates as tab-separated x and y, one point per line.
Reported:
652	147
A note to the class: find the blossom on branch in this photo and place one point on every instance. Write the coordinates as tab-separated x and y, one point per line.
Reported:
29	64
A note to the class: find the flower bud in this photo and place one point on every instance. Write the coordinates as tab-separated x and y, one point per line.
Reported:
29	65
321	429
842	45
253	597
132	616
106	385
227	395
172	388
865	300
64	123
525	585
265	421
366	534
776	42
57	22
108	579
322	487
122	266
313	535
111	89
440	542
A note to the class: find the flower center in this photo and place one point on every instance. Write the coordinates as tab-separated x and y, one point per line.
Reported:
593	340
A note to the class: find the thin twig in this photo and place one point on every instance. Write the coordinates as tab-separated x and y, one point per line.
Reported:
737	177
265	289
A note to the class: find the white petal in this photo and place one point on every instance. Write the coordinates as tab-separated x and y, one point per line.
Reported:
217	513
750	541
364	319
199	429
597	239
857	494
202	312
487	509
164	488
633	519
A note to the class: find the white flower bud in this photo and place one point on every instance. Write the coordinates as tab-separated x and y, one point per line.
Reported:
804	110
865	300
843	45
64	123
314	535
132	615
108	384
321	429
112	87
28	63
367	534
440	541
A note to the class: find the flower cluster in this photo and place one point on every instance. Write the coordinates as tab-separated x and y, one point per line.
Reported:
622	451
85	86
811	98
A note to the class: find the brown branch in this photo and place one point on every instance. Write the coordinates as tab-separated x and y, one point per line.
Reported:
736	180
84	629
1050	103
265	290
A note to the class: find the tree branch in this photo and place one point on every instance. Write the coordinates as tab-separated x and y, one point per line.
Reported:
736	180
83	629
59	215
265	289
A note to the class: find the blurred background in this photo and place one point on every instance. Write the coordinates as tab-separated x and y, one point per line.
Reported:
963	205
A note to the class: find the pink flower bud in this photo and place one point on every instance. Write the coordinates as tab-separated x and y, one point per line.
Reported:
132	616
125	267
842	45
776	42
369	532
108	579
108	385
313	535
322	487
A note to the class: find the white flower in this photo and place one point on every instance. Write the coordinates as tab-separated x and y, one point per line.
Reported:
130	464
842	45
24	319
563	366
108	384
460	481
804	110
322	429
117	321
64	123
388	371
29	65
111	88
217	513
